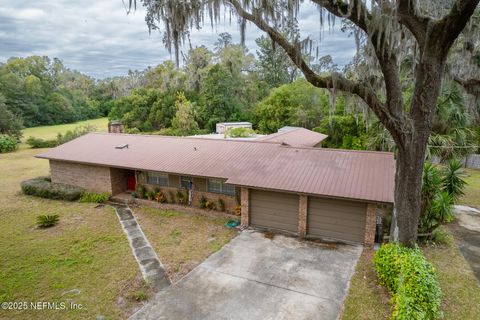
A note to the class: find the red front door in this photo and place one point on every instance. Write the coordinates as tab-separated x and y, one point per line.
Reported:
131	181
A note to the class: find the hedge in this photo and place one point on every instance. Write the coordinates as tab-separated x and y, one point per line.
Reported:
411	281
44	188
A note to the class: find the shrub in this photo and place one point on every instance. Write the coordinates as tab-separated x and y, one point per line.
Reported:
141	191
43	187
221	204
8	143
203	202
61	138
46	221
41	143
210	205
94	197
172	196
160	197
240	133
182	197
411	280
150	195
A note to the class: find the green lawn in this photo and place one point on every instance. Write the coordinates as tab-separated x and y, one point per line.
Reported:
182	240
472	190
50	132
86	251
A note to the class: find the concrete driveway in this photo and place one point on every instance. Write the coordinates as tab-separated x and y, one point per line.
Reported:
467	231
254	277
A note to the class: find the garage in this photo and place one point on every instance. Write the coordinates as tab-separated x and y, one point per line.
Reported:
336	219
274	210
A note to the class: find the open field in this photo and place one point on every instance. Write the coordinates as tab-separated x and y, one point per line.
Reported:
50	132
182	240
472	190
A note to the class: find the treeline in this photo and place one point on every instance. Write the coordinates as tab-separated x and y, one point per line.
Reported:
231	84
42	91
225	84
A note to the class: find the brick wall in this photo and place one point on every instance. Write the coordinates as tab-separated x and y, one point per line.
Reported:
199	190
118	180
302	216
245	206
370	224
94	178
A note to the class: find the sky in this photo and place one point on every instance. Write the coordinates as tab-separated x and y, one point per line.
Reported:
101	40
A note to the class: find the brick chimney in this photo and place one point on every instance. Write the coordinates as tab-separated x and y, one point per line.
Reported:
115	126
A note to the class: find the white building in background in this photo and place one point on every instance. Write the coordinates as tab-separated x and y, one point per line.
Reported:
222	127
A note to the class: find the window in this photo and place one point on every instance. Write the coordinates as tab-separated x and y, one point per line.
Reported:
157	178
185	182
219	186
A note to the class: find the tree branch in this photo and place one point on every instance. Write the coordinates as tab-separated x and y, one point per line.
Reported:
408	16
335	80
451	25
358	13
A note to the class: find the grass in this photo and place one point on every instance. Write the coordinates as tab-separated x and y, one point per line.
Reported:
460	288
86	253
472	190
182	240
459	285
366	299
50	132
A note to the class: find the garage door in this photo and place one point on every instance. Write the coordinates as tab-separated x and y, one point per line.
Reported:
274	210
336	219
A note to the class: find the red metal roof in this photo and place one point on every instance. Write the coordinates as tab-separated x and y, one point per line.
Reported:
297	137
350	174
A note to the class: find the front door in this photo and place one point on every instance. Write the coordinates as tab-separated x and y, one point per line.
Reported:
131	180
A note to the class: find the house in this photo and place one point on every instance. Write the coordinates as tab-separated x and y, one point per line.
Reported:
295	137
222	127
309	192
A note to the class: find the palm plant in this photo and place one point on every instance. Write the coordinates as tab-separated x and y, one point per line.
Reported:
46	221
452	180
442	207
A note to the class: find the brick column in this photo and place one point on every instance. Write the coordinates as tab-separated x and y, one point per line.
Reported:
302	216
244	203
370	224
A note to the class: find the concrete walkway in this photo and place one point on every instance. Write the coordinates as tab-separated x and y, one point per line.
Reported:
150	266
467	231
254	277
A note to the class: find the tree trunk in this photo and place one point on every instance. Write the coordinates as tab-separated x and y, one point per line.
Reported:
408	186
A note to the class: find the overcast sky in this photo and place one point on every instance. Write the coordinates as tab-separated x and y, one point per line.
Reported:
99	38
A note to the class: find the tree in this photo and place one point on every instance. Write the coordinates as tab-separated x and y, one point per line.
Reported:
433	26
295	104
184	120
223	41
273	63
197	64
9	123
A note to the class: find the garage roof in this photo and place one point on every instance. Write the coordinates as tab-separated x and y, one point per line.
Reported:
296	137
364	175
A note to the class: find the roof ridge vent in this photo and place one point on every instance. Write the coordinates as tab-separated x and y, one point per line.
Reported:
122	146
